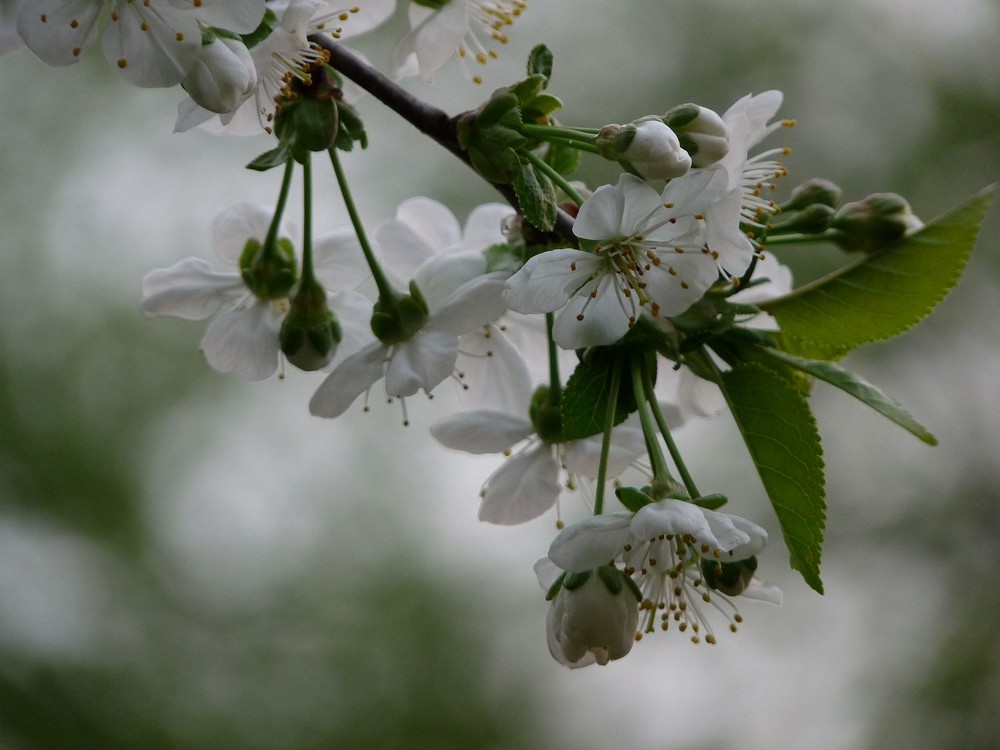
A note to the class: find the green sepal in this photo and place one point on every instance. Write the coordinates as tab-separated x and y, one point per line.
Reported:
712	501
489	136
310	332
269	272
396	319
575	580
856	386
554	588
536	195
545	415
585	397
307	124
351	130
632	498
267	25
781	436
633	587
883	294
502	257
276	157
540	62
731	578
611	577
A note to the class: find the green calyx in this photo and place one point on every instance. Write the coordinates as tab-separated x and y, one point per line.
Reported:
310	332
681	115
397	318
268	269
870	224
546	416
731	578
435	4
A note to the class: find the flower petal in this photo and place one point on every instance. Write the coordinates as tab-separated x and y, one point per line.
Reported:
338	260
241	16
594	541
484	226
244	341
420	363
473	305
494	375
232	228
548	280
481	431
348	380
190	289
58	31
151	44
524	487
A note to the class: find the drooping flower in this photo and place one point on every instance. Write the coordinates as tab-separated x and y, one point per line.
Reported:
648	253
528	483
682	557
593	615
458	295
441	29
492	373
243	336
152	43
284	55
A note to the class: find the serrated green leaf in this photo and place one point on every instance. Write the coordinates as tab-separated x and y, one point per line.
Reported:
884	294
536	195
540	62
780	433
585	398
858	387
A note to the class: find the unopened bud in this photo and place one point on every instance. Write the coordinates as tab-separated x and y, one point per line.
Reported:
869	224
396	319
812	219
310	332
648	146
223	75
813	192
702	133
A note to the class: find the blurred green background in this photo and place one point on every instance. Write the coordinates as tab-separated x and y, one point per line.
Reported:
187	560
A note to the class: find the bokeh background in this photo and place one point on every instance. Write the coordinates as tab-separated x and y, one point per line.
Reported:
190	561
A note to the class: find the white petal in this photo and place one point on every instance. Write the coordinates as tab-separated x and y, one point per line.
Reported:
241	16
232	228
443	274
617	211
584	456
494	375
548	280
354	311
338	261
547	571
473	305
348	380
482	431
69	28
672	517
420	363
433	41
151	46
524	487
190	289
761	591
421	228
595	316
728	535
244	341
370	15
483	227
723	234
594	541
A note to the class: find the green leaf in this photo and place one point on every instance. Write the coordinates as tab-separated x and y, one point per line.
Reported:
540	62
276	157
536	195
858	387
884	294
780	433
562	159
585	398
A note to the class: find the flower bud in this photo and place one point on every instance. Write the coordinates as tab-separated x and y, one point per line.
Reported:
310	332
813	192
648	146
268	269
812	219
223	76
545	416
593	617
702	133
731	578
398	318
869	224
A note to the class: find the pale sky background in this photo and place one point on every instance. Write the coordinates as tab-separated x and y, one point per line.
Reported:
246	503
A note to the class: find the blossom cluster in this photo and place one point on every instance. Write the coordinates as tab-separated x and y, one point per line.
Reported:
581	326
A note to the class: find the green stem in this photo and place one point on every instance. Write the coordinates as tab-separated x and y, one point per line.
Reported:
555	384
609	423
570	143
775	237
661	422
308	277
578	136
271	241
553	175
660	471
385	290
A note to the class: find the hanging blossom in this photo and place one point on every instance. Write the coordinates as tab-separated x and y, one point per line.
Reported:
283	56
593	616
750	178
684	559
529	482
490	369
153	43
243	336
461	295
648	253
441	29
